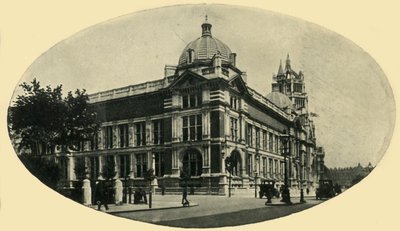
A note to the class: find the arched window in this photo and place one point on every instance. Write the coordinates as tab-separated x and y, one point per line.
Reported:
193	163
236	162
190	54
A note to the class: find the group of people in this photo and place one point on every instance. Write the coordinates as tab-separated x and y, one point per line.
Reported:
102	196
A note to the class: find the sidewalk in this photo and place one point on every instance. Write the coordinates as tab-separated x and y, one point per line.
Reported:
164	202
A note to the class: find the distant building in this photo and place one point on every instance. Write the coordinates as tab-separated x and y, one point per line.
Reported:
199	114
348	176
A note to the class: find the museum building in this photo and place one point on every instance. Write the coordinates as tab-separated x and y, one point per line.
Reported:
201	113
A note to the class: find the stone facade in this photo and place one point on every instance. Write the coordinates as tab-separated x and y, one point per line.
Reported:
191	120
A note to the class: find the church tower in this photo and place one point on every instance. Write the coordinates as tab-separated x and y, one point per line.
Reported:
291	83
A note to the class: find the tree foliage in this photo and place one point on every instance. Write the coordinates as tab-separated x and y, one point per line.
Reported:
46	170
41	117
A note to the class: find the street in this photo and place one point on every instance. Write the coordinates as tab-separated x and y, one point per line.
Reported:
218	211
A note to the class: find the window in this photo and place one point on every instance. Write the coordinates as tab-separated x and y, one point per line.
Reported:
234	102
94	143
236	163
94	167
192	100
270	142
140	133
158	132
159	159
234	130
124	166
250	135
264	161
123	135
257	137
298	87
109	137
192	163
282	169
249	165
276	168
271	167
190	54
192	127
276	144
141	164
265	136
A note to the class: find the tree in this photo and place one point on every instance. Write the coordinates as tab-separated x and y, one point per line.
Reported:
41	118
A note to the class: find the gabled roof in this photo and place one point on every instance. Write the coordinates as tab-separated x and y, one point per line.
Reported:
186	79
237	83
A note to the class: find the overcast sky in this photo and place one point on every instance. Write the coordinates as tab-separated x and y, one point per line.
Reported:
346	87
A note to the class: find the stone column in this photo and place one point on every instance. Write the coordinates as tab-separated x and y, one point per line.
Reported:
154	182
71	172
118	191
131	134
87	193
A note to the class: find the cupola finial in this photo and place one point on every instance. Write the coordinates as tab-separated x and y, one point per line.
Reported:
206	27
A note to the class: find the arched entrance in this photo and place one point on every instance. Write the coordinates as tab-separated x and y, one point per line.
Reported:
236	163
192	163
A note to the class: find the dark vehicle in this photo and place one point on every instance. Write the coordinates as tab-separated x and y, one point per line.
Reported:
268	186
325	190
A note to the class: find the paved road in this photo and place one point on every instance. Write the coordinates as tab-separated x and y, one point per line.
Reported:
216	211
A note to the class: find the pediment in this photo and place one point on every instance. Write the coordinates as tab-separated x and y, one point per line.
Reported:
188	79
238	84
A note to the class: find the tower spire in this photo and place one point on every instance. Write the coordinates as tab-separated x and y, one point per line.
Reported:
287	62
280	69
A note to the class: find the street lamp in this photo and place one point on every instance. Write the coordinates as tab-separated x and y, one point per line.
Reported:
285	153
256	174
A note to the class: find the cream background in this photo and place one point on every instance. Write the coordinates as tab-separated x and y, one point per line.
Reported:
27	32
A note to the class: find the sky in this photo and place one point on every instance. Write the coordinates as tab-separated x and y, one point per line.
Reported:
346	87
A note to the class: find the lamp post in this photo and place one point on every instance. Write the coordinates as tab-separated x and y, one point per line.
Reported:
229	168
256	174
285	153
301	181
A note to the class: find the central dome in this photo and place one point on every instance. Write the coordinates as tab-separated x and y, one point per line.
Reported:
280	100
204	48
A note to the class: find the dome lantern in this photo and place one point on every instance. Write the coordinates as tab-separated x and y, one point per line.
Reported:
206	28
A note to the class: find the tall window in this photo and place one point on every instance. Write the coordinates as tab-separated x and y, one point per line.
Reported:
264	161
192	100
109	137
270	141
257	137
123	135
276	168
265	135
276	144
94	167
271	167
140	133
159	159
94	143
250	135
158	132
141	164
192	163
234	129
192	128
124	166
236	163
282	169
249	165
234	102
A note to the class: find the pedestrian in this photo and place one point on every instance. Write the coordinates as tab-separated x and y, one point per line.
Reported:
308	191
101	195
143	194
185	202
